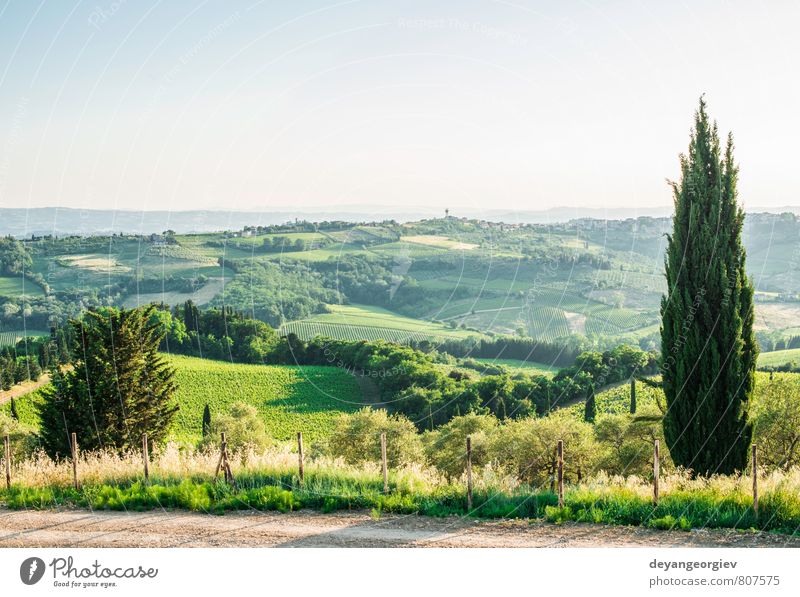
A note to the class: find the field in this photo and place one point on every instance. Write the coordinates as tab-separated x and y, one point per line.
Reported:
779	357
290	399
517	365
362	322
439	241
16	286
10	338
201	296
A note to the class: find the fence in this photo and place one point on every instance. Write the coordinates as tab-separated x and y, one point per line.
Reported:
223	465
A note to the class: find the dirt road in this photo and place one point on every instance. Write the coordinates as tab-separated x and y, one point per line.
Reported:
81	528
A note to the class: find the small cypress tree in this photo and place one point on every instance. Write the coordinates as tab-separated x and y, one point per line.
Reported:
14	414
590	409
708	346
633	395
206	421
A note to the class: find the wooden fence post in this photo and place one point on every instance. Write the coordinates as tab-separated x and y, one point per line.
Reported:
223	463
755	479
300	471
7	458
75	460
384	464
146	458
656	464
560	473
469	473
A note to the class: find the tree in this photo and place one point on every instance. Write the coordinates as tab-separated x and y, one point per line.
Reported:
590	408
633	395
119	387
206	421
708	347
14	414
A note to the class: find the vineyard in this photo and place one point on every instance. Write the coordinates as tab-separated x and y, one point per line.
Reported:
11	338
289	399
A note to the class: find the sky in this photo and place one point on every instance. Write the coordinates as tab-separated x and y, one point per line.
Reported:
522	105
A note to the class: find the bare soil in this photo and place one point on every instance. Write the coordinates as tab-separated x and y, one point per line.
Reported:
82	528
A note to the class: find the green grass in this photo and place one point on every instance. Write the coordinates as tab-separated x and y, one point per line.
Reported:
329	490
779	357
363	322
16	286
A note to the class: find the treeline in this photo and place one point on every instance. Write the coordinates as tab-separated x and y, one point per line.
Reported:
413	383
31	356
507	347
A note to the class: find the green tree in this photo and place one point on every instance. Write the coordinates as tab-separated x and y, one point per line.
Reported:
590	408
709	350
206	420
119	387
633	395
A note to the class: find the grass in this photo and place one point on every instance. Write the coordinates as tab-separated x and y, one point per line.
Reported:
268	481
363	322
518	365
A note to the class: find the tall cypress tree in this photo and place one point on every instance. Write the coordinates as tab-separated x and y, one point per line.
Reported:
708	347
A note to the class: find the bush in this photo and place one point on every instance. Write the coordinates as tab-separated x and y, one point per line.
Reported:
627	442
356	438
776	423
22	437
243	428
446	447
527	447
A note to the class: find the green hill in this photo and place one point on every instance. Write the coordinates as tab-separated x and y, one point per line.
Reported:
290	399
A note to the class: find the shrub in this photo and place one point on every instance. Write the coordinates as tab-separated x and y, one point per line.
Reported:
445	448
356	438
243	428
527	447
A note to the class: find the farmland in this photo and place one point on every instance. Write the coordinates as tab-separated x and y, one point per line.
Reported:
362	322
16	286
289	399
585	282
779	357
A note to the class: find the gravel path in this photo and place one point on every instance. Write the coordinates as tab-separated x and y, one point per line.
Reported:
81	528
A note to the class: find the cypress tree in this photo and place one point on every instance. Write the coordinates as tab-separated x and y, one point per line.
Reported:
708	347
14	414
206	421
633	395
590	408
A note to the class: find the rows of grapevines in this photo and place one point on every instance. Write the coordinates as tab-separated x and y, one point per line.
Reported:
547	323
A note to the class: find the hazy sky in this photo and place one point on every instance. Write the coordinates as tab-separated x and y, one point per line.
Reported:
488	104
